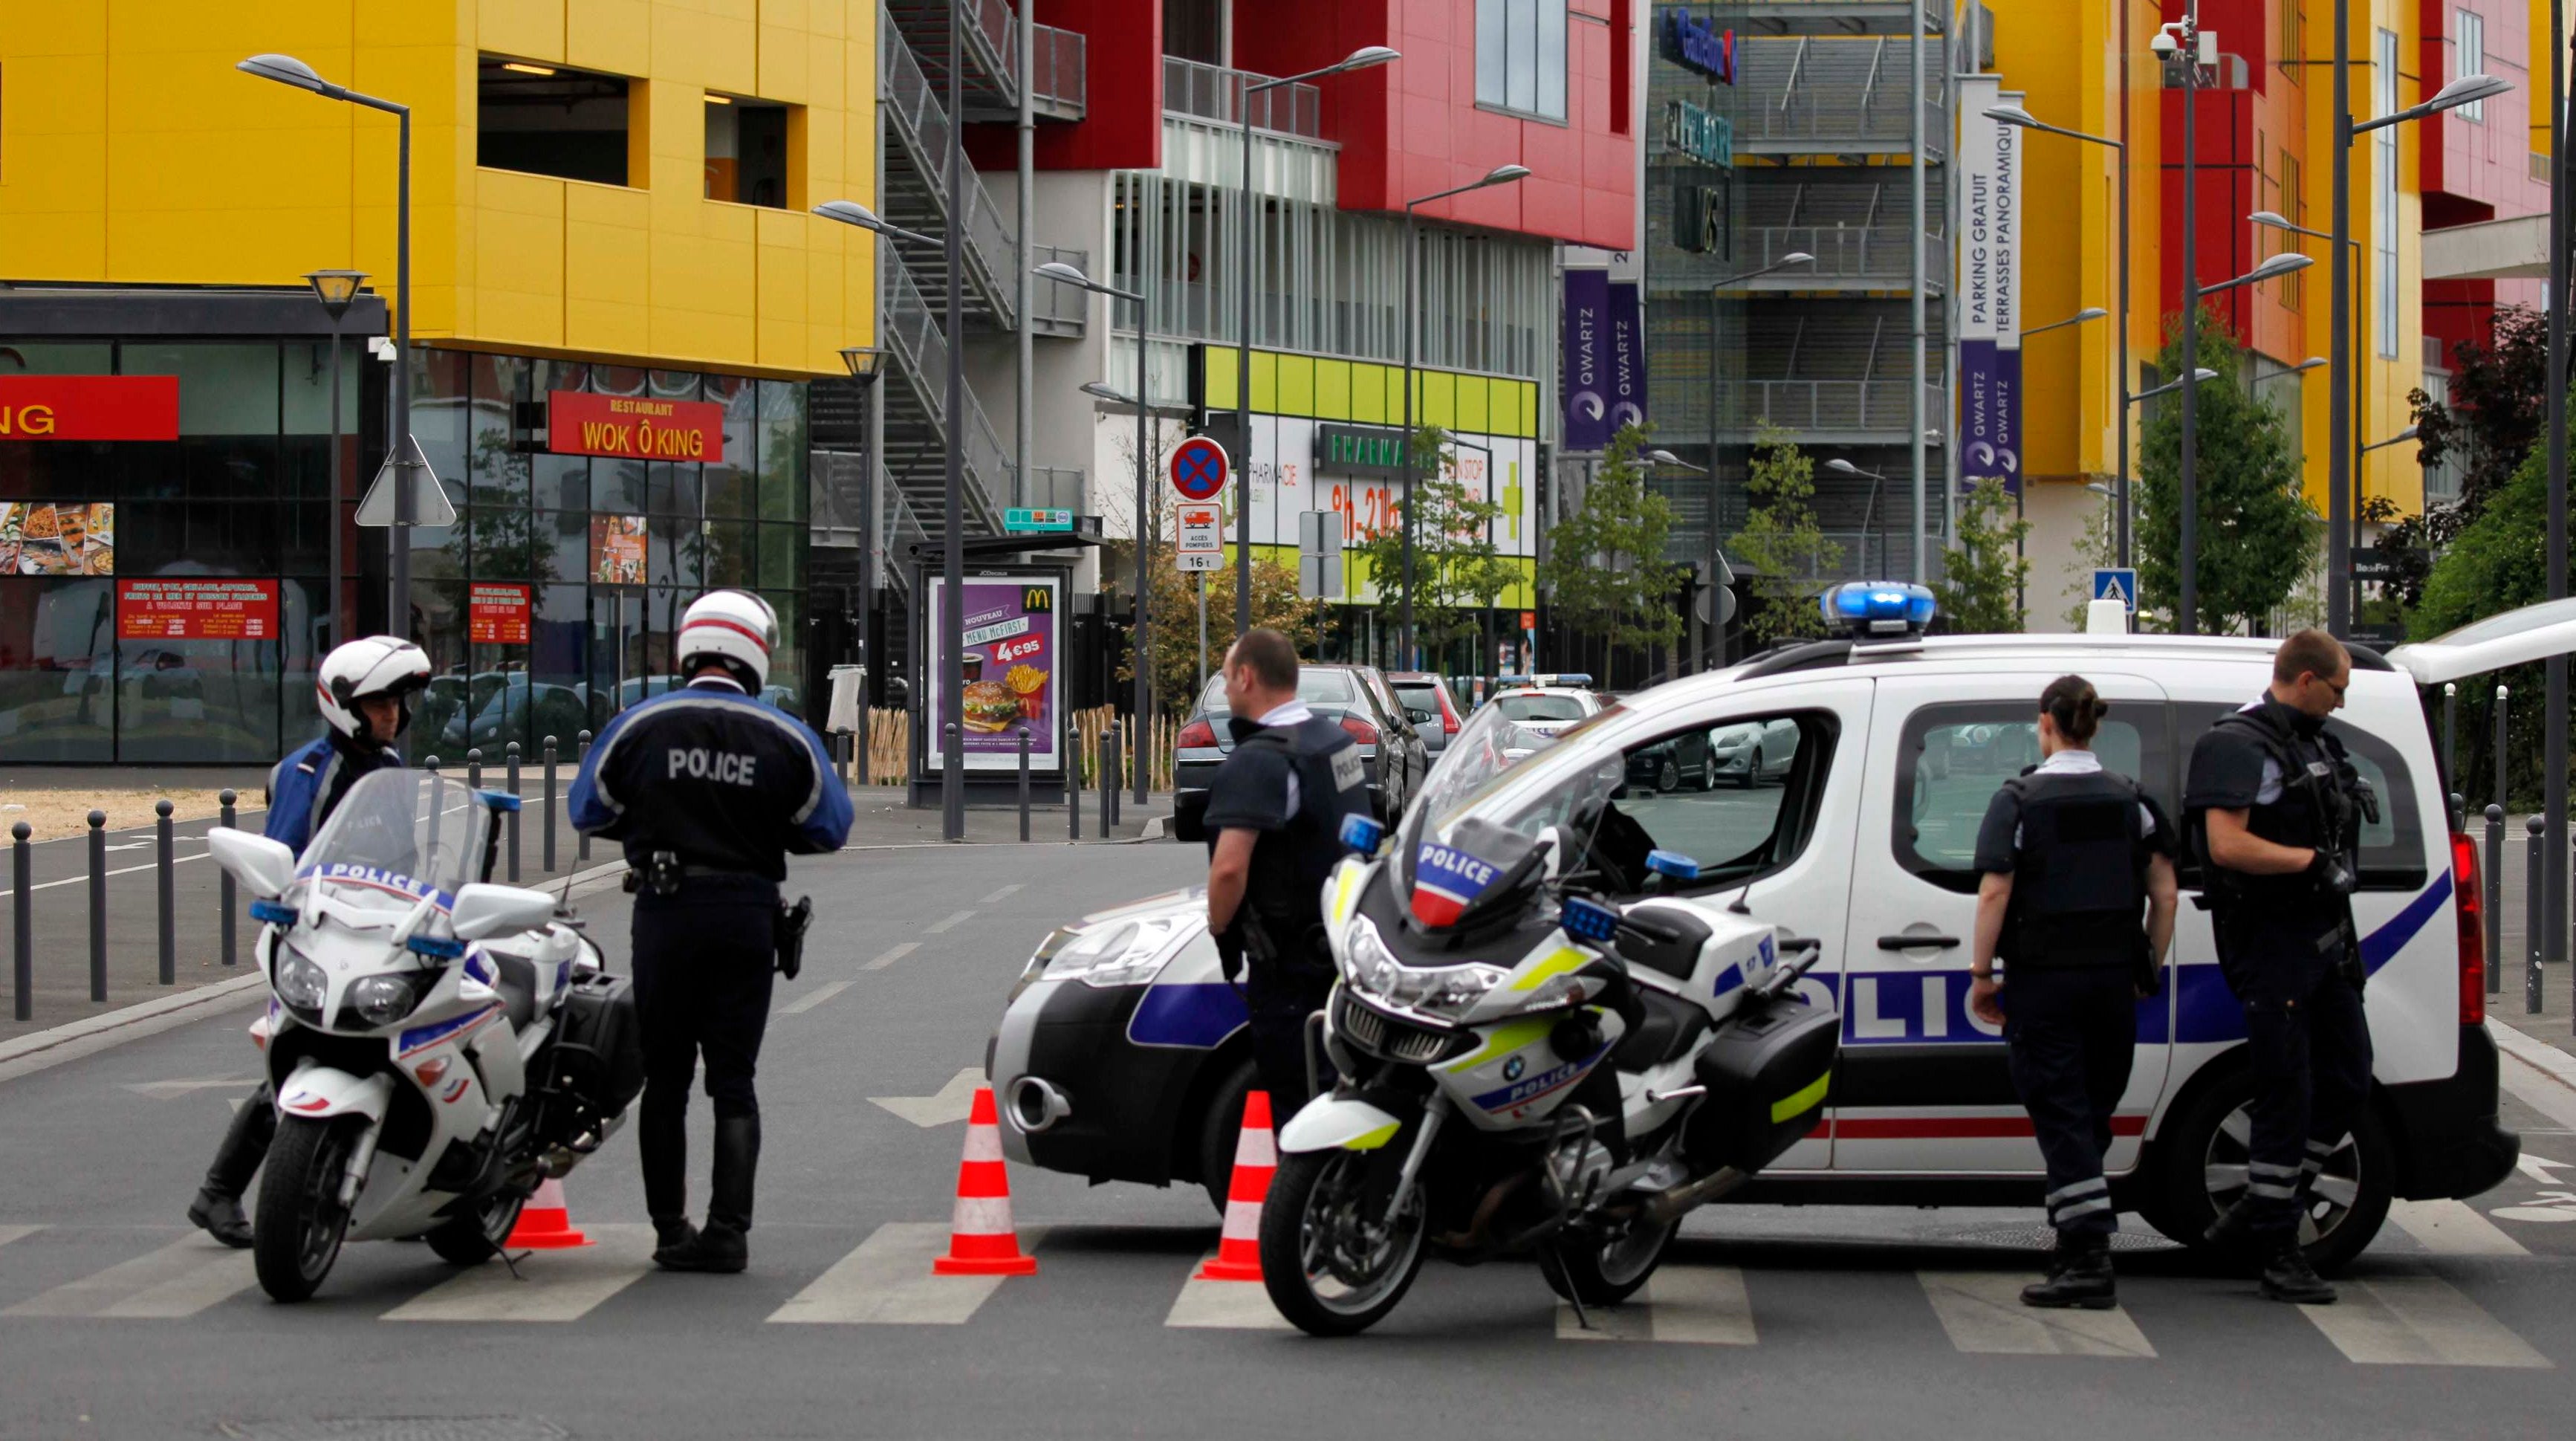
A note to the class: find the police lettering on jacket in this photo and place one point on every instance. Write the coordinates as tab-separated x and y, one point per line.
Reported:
724	766
724	781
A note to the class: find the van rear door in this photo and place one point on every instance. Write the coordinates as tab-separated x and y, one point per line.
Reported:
2515	637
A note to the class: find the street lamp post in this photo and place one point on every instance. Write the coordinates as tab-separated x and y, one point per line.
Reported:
1072	275
1499	175
1666	457
1364	58
1869	515
1793	258
335	289
287	70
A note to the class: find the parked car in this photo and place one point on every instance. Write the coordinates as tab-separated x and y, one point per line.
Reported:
1746	754
1428	704
1688	758
1546	709
1356	696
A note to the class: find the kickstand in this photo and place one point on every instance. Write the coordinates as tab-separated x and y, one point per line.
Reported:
512	1261
1582	1317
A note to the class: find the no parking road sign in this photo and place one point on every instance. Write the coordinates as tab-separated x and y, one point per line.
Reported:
2118	583
1199	468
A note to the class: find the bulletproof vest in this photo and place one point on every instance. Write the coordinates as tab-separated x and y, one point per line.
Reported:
2315	809
1289	865
2079	881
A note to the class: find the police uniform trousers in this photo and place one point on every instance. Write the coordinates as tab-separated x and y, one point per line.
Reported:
703	961
2308	1040
2069	1036
1279	1000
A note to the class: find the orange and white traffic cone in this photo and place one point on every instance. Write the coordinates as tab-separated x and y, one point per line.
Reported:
981	1240
544	1223
1256	1158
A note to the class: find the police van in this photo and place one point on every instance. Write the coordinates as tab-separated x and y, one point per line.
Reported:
1867	845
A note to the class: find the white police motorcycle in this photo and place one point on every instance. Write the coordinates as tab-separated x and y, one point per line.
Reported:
1485	977
438	1045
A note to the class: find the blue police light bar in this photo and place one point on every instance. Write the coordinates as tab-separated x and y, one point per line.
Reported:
434	947
1878	607
1573	678
1672	864
498	800
273	913
1361	834
1588	920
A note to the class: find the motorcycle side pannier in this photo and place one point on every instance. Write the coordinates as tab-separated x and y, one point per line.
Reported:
599	1043
1766	1076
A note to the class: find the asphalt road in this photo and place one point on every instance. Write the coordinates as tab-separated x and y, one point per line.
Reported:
117	1321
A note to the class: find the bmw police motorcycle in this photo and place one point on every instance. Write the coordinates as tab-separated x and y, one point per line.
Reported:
439	1045
1524	1063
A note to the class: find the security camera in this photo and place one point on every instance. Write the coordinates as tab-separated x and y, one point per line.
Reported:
2164	44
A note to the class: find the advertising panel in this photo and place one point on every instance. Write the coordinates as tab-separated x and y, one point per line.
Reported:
196	610
1989	287
634	426
496	613
89	407
1013	648
1587	360
39	537
617	549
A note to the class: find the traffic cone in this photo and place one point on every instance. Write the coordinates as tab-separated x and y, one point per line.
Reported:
981	1241
1256	1157
544	1223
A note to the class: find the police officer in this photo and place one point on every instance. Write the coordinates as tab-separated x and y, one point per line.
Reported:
2274	807
709	788
364	692
1274	822
2069	853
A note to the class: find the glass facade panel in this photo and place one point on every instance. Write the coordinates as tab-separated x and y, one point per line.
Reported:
57	697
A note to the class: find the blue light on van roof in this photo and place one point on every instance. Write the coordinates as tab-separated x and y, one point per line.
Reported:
1878	607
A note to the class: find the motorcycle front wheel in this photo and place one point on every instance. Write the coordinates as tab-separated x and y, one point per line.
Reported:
1605	1268
1331	1264
296	1236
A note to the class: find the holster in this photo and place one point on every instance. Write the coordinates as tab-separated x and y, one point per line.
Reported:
788	934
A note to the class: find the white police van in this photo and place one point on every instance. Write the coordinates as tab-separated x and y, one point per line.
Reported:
1123	1065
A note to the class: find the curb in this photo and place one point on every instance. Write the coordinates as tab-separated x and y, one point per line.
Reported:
92	1034
2541	1056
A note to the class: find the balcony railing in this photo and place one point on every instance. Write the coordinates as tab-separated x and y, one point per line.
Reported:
1826	405
916	106
1062	308
1053	487
1214	93
1842	252
1825	116
1056	66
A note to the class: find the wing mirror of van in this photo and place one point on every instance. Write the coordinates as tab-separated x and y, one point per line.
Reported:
264	867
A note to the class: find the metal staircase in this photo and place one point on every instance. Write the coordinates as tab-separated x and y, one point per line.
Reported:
916	429
915	194
990	53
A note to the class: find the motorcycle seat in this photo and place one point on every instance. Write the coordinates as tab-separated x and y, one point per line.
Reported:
517	983
1667	1029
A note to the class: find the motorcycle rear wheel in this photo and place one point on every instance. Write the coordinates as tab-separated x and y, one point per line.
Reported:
473	1237
301	1222
1317	1220
1604	1270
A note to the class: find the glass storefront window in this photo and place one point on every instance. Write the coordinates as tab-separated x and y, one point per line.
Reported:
730	489
57	699
782	451
729	555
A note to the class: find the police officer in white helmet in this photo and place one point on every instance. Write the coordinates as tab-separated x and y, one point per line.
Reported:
364	692
709	788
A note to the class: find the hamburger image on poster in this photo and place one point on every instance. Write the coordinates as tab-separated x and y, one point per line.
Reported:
1006	665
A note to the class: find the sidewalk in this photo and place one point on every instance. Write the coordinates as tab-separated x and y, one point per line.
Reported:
2551	1025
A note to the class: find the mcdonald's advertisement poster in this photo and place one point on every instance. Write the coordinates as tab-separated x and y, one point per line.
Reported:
1012	646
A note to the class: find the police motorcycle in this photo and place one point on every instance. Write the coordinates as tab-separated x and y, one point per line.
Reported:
439	1045
1524	1063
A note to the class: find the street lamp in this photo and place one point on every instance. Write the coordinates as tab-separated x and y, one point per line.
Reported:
2015	115
2304	366
287	70
335	289
1364	58
1869	515
1666	457
1793	258
1059	271
1499	175
2274	220
865	363
2400	438
2201	376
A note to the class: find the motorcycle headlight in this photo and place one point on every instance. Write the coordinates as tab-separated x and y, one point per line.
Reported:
299	982
1373	971
1128	953
382	1000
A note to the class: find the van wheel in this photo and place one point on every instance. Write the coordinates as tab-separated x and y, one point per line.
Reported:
1220	1127
2201	1171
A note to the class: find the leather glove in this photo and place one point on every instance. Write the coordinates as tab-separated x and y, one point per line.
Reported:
2332	875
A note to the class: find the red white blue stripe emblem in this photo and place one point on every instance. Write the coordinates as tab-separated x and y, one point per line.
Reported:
1447	881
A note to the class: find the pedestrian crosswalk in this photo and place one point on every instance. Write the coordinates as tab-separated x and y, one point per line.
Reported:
2397	1313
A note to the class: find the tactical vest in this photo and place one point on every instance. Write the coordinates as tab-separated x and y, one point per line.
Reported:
2315	810
2079	873
1290	865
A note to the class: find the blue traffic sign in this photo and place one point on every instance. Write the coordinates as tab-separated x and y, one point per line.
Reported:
1199	468
2118	583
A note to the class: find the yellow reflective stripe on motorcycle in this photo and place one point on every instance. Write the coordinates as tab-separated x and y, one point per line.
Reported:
1371	1140
1503	1040
1565	961
1343	890
1805	1098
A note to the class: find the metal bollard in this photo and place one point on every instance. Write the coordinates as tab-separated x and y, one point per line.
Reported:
2450	732
1114	772
2533	913
2501	798
429	764
1072	789
224	887
2494	888
550	805
1024	783
581	754
98	905
22	931
474	768
859	742
1106	765
512	751
169	899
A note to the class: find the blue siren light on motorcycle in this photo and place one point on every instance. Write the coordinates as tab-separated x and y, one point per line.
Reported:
1589	920
1361	834
273	913
1672	864
1868	608
432	946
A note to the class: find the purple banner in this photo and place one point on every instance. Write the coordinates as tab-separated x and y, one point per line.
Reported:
1989	413
1627	357
1587	360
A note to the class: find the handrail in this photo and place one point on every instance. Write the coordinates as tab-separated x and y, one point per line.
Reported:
1057	66
1054	300
1803	404
922	123
1213	92
908	326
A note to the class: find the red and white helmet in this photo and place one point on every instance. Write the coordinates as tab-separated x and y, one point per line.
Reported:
371	666
734	628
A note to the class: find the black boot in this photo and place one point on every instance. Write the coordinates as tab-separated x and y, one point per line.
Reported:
662	1145
2287	1276
722	1246
672	1235
2078	1275
218	1206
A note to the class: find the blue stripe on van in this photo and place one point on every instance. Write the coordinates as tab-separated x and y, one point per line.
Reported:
2210	1013
1197	1016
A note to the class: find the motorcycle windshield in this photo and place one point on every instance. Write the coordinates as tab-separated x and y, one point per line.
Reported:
399	835
1488	771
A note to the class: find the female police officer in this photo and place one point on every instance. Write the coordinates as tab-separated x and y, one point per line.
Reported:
2069	850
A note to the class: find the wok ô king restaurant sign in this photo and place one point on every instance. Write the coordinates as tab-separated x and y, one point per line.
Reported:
634	426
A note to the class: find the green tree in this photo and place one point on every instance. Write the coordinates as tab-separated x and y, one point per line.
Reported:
2495	416
1605	570
2496	562
1458	571
1980	590
2258	537
1781	543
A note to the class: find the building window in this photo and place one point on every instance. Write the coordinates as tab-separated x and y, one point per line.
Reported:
747	151
2470	58
1520	56
2383	190
551	120
2294	39
2294	207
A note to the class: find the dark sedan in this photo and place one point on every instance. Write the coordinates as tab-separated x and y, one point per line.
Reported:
1389	746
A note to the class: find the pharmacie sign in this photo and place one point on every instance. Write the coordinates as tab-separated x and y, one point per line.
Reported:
1695	44
1698	135
1366	450
634	426
89	407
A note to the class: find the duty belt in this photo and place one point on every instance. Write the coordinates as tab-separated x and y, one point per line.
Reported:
665	873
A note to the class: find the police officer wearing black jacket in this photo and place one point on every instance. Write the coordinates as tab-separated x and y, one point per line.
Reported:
2274	808
709	788
2071	854
1274	821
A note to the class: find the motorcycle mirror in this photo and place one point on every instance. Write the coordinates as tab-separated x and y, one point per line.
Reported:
264	867
1553	840
483	911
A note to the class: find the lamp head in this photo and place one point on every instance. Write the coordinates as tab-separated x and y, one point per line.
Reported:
1102	390
2202	374
850	212
2311	363
335	288
1058	270
1505	175
2467	90
1797	257
1845	467
2272	218
2278	265
285	70
1367	57
2012	115
2409	433
861	360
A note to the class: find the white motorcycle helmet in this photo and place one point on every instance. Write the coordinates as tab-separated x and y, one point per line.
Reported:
733	628
376	665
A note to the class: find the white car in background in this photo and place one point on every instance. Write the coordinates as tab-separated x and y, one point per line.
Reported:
1548	704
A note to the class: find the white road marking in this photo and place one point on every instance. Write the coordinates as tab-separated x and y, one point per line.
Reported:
549	1286
1003	894
813	998
1700	1305
1983	1313
2418	1321
951	1102
2538	1168
164	1090
1225	1306
119	871
180	1279
936	928
887	1281
16	1233
2453	1228
892	956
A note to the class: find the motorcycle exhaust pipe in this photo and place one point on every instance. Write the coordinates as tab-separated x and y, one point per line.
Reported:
1667	1206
